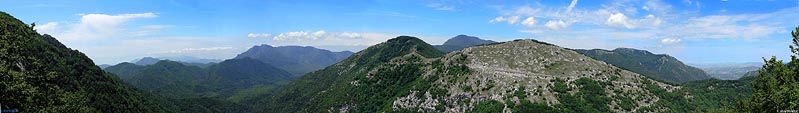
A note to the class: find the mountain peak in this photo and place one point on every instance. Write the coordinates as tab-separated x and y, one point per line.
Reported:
297	60
395	47
406	44
264	45
146	61
404	39
464	36
461	41
466	41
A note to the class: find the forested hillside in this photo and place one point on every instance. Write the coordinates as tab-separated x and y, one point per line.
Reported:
39	74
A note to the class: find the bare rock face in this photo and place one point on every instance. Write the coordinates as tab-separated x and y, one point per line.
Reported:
496	71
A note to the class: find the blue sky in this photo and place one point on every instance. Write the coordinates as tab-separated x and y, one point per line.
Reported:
707	31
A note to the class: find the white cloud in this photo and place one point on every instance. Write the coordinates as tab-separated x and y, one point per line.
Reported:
188	50
620	20
350	35
318	34
727	26
324	38
655	21
98	26
529	22
439	6
48	27
150	29
556	24
525	11
292	35
300	35
657	6
498	19
513	19
571	6
689	2
258	35
510	19
670	41
658	20
528	16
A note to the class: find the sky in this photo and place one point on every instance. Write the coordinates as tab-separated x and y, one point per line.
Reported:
693	31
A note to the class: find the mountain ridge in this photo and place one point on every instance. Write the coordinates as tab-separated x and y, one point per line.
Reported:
461	41
658	66
296	59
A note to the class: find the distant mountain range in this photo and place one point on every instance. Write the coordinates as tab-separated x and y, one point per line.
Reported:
461	41
150	61
191	59
232	79
658	66
186	59
297	60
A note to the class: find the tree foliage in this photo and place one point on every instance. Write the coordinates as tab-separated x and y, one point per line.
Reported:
777	84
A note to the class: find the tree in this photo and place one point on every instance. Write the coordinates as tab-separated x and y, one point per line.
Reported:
777	85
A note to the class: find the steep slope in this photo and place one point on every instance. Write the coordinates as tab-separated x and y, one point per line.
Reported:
297	60
403	75
39	74
461	41
658	66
